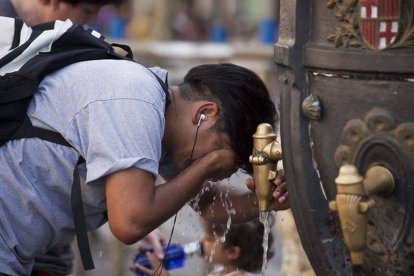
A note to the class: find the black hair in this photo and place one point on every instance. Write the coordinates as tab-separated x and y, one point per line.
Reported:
242	97
248	237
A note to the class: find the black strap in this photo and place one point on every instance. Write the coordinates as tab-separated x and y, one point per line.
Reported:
164	86
27	130
79	219
124	47
18	25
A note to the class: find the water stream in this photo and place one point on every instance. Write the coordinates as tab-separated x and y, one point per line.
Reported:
264	219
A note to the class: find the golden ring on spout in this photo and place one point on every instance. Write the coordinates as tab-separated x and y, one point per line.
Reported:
258	159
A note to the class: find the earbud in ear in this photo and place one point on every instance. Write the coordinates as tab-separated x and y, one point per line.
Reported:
202	118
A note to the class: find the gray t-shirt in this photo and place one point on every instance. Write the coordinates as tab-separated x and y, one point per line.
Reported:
112	113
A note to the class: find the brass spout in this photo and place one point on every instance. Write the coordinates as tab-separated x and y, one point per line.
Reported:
350	203
266	154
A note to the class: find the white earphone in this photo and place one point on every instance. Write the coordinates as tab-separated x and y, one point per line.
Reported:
202	118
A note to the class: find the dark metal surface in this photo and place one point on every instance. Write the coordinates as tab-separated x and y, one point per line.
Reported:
366	94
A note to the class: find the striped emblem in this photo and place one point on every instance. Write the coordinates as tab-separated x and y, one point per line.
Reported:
379	22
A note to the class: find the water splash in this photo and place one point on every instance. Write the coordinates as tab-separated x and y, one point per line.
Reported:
212	252
227	204
264	219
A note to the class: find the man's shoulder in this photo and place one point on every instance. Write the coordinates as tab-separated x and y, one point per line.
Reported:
111	71
89	81
104	70
106	64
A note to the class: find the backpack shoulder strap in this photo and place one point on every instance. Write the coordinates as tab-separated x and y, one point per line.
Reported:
164	86
27	130
79	219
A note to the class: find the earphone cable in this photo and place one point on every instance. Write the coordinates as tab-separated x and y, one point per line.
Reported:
175	217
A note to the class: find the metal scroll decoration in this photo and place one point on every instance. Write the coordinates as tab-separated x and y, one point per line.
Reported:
373	24
377	122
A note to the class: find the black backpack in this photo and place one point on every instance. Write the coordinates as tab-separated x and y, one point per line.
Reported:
22	68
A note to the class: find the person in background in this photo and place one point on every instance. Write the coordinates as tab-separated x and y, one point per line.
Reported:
35	12
240	253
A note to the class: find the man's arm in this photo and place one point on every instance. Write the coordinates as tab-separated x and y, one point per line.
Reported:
136	206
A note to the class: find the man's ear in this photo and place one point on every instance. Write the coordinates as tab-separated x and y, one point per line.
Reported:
209	109
233	253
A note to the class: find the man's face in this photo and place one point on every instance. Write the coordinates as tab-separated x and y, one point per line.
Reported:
187	139
79	14
207	141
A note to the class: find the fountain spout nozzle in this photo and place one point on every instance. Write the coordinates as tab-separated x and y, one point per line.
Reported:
266	153
352	207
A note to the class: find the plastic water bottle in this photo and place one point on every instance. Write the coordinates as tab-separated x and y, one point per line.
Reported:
173	258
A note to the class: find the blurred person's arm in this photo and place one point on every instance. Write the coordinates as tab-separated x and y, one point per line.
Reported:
156	269
155	241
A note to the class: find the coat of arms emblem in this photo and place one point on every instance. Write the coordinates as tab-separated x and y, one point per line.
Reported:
373	24
379	22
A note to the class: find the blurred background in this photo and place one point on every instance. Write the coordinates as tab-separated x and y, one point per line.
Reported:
177	35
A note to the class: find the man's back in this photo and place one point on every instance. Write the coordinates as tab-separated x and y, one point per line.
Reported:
99	108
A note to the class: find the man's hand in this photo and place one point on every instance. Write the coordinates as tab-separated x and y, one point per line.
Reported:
280	196
221	163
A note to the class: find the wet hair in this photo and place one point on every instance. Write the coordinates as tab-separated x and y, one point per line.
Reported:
97	2
243	100
248	237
